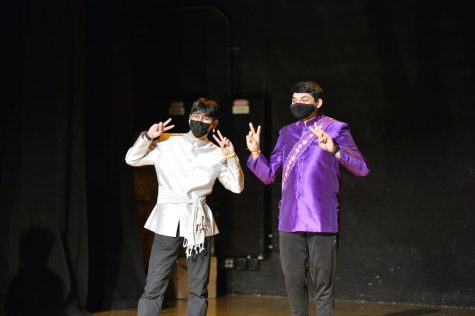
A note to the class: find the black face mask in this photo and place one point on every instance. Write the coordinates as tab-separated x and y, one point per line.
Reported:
199	128
302	110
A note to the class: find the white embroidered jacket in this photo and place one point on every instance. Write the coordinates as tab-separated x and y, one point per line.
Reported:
188	168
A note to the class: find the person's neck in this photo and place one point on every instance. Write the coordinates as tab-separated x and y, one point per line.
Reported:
313	115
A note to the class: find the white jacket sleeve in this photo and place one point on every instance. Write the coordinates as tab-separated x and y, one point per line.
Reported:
231	175
140	154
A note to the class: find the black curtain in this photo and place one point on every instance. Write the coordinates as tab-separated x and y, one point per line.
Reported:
68	231
116	273
43	196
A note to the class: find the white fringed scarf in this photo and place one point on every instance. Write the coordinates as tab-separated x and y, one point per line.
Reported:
194	229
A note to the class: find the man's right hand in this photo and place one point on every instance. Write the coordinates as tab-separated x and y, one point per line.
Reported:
253	139
158	128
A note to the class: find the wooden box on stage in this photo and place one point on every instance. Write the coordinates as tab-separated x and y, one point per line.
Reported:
179	282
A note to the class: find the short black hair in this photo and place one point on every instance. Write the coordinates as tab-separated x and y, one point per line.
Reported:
208	107
311	87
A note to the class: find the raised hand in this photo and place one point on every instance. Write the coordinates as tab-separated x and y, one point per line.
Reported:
158	128
324	140
253	139
225	144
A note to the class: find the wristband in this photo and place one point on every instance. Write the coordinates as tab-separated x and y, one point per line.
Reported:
337	149
231	155
147	137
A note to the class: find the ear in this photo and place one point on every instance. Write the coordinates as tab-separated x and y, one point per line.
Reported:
319	103
214	124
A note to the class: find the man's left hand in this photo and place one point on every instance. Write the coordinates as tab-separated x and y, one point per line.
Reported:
324	140
225	144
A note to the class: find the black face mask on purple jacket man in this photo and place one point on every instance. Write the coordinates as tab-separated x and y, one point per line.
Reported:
302	110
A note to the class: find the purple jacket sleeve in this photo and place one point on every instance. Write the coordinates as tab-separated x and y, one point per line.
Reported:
266	170
350	156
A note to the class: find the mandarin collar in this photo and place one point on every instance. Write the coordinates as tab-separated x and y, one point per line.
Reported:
302	124
193	141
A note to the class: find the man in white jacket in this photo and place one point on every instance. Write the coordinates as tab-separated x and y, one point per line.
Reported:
187	166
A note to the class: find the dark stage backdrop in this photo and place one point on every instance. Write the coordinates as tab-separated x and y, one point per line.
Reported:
69	238
43	227
401	74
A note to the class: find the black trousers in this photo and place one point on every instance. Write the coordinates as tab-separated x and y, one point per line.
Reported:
162	260
304	255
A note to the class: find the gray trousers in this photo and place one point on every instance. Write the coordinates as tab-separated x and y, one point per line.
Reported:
162	261
304	255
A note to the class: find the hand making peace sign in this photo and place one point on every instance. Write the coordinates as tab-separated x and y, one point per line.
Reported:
324	140
225	144
253	139
158	128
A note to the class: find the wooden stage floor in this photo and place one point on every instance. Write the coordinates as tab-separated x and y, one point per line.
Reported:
237	305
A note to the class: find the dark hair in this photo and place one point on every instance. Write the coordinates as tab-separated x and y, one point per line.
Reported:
208	107
309	87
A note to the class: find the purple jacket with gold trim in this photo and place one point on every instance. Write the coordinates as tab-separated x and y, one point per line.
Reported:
310	201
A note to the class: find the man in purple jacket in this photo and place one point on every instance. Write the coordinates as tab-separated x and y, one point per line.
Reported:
309	153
